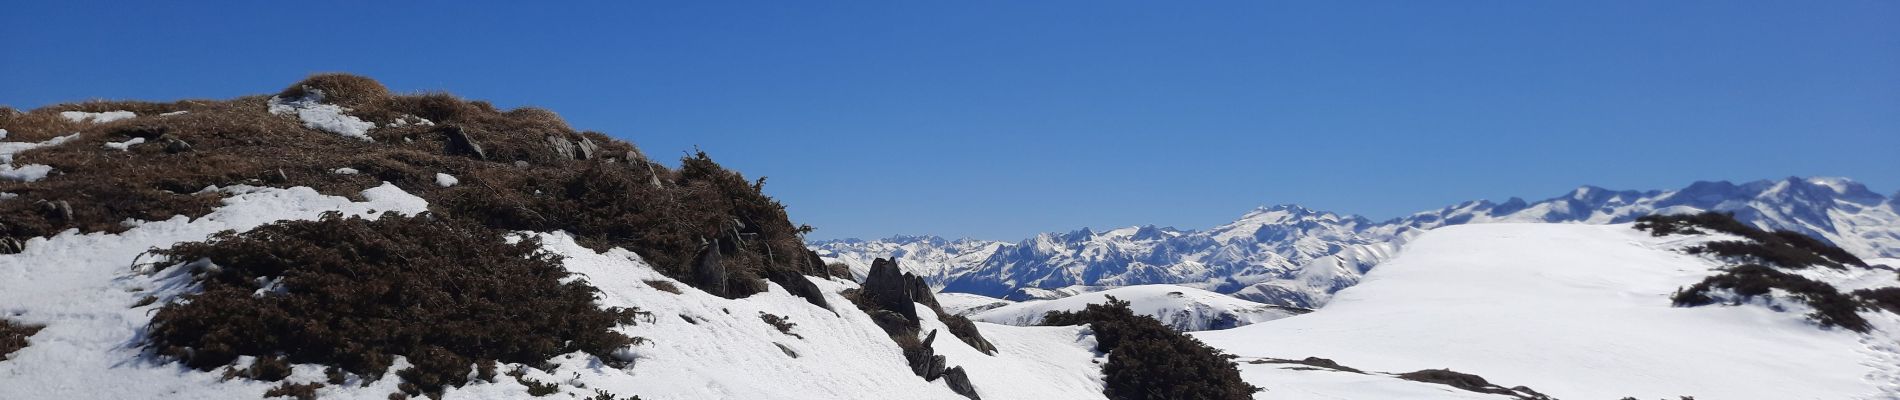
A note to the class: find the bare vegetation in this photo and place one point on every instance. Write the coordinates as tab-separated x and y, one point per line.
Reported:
1148	360
354	293
13	336
1756	275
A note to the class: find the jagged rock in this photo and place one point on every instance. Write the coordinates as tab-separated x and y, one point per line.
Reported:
888	289
708	275
461	143
797	285
924	360
587	148
815	265
562	147
921	293
960	382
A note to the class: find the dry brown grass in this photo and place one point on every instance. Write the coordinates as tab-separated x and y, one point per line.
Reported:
13	336
617	197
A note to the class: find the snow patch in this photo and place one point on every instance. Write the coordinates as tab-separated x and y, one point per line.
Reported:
324	117
29	172
96	117
1180	307
445	180
125	145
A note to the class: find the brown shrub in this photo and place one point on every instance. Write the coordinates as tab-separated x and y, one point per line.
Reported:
617	197
13	336
340	89
299	391
353	293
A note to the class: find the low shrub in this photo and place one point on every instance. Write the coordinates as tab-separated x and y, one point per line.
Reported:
1887	298
1786	249
13	336
1831	307
1148	360
354	293
781	323
299	391
1460	380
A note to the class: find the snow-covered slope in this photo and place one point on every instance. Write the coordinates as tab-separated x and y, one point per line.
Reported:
1577	312
1180	307
1290	255
82	289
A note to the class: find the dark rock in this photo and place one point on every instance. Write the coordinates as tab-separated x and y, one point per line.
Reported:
797	285
888	289
960	383
708	275
461	143
60	210
276	176
174	144
815	265
562	147
924	360
587	149
788	351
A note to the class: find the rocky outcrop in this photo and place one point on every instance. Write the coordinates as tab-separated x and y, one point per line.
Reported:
797	285
461	143
959	382
708	275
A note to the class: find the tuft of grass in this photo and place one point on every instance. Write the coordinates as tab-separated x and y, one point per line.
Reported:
664	286
13	336
781	323
299	391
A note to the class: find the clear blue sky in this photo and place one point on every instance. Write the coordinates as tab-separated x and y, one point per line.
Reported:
1002	119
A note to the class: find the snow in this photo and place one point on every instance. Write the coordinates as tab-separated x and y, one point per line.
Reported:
965	303
344	171
1180	307
29	172
324	117
445	180
173	113
1300	382
1574	311
125	145
96	117
731	354
80	287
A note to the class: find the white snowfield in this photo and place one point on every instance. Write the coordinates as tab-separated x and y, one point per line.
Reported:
1574	311
82	288
1183	308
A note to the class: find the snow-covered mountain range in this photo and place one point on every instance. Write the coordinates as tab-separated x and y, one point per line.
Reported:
1293	256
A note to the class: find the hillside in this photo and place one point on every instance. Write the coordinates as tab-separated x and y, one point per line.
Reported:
339	241
1576	312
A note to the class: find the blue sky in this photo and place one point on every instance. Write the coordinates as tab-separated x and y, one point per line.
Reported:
1002	119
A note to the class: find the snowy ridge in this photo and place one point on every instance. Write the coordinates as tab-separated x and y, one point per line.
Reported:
1293	256
1573	311
82	288
1182	308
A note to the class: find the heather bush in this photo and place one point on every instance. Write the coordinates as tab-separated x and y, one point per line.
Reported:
1148	360
354	293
